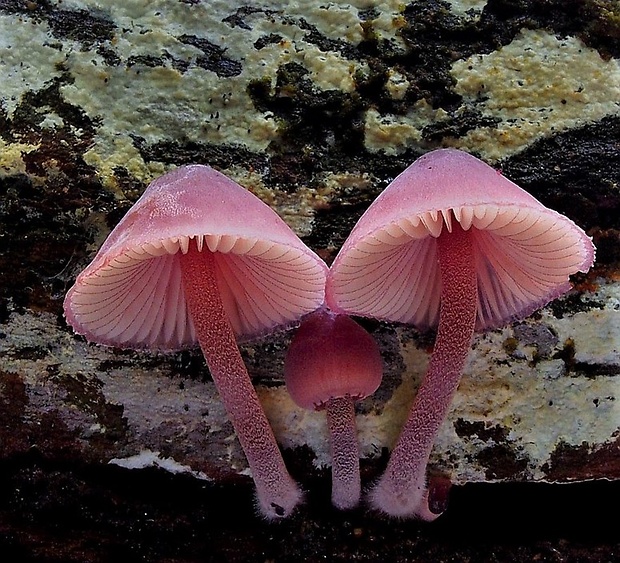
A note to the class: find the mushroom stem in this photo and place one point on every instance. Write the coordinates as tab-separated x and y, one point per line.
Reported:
277	492
401	490
346	486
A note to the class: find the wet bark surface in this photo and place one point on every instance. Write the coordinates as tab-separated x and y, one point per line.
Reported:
58	512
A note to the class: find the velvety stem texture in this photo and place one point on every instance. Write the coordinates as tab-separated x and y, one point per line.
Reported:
346	486
401	490
277	492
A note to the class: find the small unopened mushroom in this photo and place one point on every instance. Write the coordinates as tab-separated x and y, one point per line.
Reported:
450	244
199	259
332	362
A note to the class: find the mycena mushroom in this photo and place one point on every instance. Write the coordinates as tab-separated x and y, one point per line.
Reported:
199	259
450	244
331	363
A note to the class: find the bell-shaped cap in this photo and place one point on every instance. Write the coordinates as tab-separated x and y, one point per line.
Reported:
131	294
524	252
331	356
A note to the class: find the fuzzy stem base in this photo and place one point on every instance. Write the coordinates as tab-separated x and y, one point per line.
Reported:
346	485
401	490
277	492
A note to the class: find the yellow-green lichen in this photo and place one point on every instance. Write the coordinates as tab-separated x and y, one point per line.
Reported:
536	86
29	57
11	157
394	133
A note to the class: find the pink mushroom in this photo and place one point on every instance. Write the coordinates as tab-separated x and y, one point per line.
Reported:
332	362
199	259
450	244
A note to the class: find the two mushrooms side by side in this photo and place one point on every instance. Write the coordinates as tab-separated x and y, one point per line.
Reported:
449	244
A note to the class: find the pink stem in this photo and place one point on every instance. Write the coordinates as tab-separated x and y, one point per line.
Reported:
277	492
401	490
346	487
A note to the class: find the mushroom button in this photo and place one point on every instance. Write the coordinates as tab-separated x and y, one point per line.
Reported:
199	259
450	244
332	362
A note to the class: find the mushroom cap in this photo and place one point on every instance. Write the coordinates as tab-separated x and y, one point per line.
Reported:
131	295
331	356
388	269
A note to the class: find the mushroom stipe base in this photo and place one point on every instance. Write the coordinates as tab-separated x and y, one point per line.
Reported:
277	493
